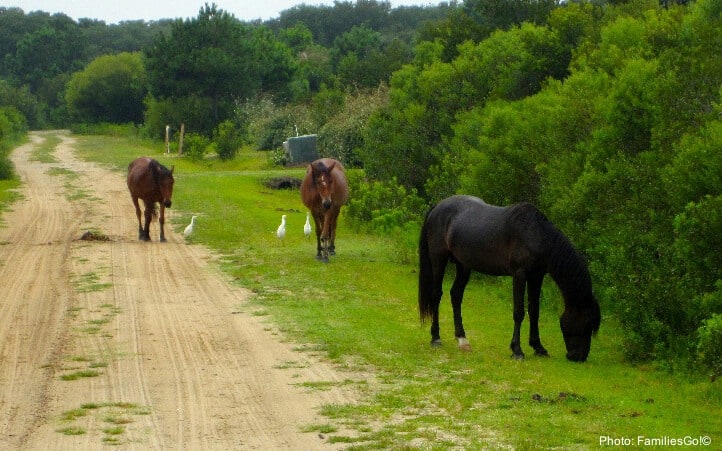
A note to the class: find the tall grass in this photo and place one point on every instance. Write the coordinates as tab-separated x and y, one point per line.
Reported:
360	311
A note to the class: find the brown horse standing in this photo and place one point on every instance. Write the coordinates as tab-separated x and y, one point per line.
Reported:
324	191
152	182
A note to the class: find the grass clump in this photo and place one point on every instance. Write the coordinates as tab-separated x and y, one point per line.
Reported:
79	375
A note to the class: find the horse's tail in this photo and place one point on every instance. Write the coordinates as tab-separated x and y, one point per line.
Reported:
426	278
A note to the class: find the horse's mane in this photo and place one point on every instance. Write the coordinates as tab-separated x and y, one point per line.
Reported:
159	171
565	264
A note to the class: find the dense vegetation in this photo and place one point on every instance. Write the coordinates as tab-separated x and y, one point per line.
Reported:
606	115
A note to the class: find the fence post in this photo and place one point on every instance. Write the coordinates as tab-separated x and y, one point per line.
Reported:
180	142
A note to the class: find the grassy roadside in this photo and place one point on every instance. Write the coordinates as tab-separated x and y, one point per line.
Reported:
360	310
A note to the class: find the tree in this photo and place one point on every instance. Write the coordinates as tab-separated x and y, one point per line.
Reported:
209	56
218	58
47	52
111	88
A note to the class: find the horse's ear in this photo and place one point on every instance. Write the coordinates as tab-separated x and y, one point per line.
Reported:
330	167
317	167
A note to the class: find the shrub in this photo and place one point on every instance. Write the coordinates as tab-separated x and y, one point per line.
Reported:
342	135
709	346
196	146
383	206
227	138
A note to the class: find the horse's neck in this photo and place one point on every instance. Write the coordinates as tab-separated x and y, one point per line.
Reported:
570	273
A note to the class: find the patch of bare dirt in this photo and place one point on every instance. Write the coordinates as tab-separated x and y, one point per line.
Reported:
109	340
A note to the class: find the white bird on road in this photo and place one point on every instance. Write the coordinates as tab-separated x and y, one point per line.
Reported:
281	231
189	229
307	227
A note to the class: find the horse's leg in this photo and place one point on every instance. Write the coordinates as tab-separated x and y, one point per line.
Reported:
457	295
322	253
437	276
137	214
161	221
333	219
534	284
325	235
519	283
148	218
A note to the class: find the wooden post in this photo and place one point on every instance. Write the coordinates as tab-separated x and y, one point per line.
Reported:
167	139
180	142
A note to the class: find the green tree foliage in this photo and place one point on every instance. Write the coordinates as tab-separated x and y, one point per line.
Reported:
12	126
228	139
39	52
210	56
110	89
428	95
47	52
216	57
341	135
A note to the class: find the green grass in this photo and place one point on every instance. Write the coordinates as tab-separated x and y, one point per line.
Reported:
79	375
43	153
118	414
360	311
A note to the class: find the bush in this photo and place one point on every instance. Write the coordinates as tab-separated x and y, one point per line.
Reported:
709	346
196	146
228	139
342	135
267	126
382	206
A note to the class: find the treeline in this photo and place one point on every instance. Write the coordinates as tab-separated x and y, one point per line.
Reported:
606	115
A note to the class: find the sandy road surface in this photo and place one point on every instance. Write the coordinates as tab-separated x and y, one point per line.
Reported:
157	349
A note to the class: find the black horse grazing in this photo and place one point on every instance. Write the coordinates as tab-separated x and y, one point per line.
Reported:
517	241
152	182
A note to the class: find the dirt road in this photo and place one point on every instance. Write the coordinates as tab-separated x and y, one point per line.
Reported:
144	345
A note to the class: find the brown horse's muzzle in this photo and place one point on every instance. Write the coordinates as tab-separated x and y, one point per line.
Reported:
326	203
166	203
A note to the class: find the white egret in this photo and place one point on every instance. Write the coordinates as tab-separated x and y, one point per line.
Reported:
307	227
281	231
189	229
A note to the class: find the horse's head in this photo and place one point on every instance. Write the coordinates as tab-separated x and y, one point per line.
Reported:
324	182
578	325
165	183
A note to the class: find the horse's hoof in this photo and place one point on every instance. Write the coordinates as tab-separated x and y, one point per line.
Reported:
518	356
436	343
541	353
464	344
331	252
162	240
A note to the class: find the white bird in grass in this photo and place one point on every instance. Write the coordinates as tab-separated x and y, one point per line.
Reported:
189	229
281	231
307	227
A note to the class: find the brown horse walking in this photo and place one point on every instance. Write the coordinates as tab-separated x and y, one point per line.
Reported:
152	182
324	190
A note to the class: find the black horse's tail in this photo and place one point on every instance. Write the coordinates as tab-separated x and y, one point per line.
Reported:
426	278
